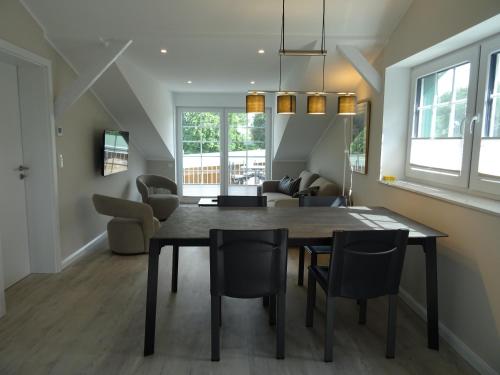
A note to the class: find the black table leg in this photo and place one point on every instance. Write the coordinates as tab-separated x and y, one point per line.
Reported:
432	293
152	291
301	265
175	267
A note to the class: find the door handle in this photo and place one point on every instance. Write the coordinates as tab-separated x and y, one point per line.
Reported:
22	176
22	168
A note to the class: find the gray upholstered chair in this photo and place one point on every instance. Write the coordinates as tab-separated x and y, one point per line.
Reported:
132	225
160	193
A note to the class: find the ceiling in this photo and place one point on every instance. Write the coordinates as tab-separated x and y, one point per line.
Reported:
214	43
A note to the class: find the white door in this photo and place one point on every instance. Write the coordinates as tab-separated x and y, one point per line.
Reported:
13	223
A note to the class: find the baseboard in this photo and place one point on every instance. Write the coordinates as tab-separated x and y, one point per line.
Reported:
84	250
467	353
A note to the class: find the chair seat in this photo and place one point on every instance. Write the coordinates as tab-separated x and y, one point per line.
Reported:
325	249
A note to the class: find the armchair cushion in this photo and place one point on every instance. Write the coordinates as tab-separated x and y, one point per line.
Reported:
270	186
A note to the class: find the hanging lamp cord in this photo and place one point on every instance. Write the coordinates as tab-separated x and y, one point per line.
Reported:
323	45
282	40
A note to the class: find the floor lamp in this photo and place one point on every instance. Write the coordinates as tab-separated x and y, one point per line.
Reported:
347	109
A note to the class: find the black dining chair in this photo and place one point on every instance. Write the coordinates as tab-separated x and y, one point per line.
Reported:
241	201
314	251
248	264
363	265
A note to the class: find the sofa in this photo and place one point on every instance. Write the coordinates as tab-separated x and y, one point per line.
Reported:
309	182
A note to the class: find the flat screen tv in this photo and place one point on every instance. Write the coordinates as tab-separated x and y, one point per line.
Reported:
115	152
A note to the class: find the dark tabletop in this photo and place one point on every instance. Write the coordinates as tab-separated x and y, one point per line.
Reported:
189	226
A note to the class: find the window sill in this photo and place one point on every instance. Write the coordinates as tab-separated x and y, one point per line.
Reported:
486	205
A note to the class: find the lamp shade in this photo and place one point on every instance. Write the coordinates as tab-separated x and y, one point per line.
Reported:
347	105
286	104
256	103
316	104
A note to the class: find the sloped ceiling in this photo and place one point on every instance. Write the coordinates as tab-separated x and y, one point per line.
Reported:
214	44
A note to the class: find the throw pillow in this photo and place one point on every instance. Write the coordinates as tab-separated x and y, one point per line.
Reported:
288	185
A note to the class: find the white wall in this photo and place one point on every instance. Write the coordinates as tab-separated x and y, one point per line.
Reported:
469	259
156	99
161	168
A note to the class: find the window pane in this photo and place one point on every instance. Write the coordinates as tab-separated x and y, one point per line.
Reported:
256	119
191	147
257	135
428	90
237	118
210	147
425	123
438	130
191	133
445	86
458	126
462	74
210	133
200	118
442	121
489	154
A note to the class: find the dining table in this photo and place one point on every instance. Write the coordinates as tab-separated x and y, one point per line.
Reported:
190	226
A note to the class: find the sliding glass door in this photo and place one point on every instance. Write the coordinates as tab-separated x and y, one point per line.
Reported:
222	151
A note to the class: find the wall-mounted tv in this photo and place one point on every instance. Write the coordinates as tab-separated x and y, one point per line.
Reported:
115	152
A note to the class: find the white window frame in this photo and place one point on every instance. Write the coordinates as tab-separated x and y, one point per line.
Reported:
478	182
429	175
224	133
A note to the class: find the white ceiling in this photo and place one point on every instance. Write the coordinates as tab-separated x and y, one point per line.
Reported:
214	43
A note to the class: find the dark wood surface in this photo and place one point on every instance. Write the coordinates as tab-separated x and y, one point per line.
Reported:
189	226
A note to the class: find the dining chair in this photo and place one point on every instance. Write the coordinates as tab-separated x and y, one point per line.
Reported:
363	265
314	251
248	264
245	201
241	201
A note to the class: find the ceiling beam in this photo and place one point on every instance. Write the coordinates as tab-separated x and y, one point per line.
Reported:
87	78
361	64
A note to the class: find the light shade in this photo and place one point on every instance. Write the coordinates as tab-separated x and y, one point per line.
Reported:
316	104
347	105
286	104
256	103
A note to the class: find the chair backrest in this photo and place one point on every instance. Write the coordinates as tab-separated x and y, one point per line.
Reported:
146	181
366	264
248	263
322	201
241	201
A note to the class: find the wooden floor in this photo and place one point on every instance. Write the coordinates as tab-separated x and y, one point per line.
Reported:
89	319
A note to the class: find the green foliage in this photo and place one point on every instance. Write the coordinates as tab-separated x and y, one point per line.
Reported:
201	132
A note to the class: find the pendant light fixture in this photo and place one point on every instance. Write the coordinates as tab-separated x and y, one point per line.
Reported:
347	104
286	102
256	102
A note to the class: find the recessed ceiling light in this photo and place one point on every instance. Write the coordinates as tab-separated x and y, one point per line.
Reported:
252	82
163	51
261	51
189	82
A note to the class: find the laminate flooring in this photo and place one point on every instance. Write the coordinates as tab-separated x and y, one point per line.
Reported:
89	319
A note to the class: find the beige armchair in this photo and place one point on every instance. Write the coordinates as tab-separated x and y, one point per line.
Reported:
160	193
132	225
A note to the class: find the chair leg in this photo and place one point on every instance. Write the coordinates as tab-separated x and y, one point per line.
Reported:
302	251
330	314
265	301
215	304
280	323
175	267
391	326
272	310
362	311
311	299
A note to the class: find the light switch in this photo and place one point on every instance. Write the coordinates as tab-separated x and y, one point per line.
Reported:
61	161
59	132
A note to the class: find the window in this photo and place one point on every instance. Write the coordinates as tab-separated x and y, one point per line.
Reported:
454	136
222	151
